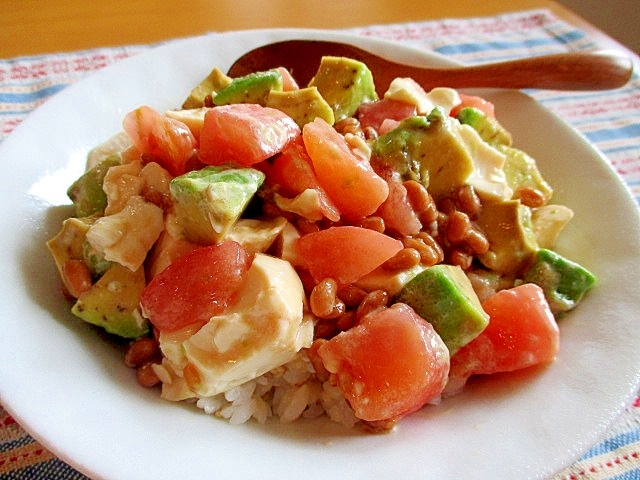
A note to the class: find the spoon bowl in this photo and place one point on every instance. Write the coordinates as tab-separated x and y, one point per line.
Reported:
599	70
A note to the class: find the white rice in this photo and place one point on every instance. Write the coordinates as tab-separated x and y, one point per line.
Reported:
284	394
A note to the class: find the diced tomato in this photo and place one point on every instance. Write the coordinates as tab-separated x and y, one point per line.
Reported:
244	134
288	82
76	277
196	286
166	140
476	102
372	114
397	212
389	365
522	332
345	253
349	180
292	170
387	125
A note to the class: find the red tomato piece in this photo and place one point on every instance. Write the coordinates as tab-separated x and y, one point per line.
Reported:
349	181
389	365
196	286
522	332
397	212
244	134
372	114
345	253
166	140
288	82
292	170
387	125
476	102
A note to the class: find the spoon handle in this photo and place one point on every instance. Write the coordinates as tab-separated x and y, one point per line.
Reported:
564	71
600	70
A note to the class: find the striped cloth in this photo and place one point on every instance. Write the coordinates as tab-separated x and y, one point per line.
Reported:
610	120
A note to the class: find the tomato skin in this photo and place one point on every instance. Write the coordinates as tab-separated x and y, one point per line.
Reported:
396	210
292	170
522	332
349	181
389	365
196	286
476	102
372	114
345	253
288	82
166	140
244	134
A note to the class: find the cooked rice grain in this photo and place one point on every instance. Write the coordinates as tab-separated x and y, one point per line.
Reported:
285	394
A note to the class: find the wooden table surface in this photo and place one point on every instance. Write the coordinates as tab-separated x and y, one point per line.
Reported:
29	27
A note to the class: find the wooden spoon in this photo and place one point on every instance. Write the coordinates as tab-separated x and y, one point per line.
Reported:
599	70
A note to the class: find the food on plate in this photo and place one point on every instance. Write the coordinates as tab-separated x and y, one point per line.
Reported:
275	251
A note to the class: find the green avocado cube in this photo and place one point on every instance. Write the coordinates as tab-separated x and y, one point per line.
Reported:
563	281
512	241
303	105
443	296
442	155
251	88
428	150
215	81
489	129
209	201
522	172
345	84
112	302
95	260
86	192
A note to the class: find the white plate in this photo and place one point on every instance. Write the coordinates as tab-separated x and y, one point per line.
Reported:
70	389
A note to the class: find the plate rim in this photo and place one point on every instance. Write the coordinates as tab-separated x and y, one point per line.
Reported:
180	43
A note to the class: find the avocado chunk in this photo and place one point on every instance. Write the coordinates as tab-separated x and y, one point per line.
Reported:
303	105
443	296
95	260
68	244
563	281
86	192
215	81
434	151
512	242
400	150
112	302
209	201
344	83
251	88
522	173
489	129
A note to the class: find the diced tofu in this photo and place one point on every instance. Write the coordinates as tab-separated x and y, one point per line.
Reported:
127	236
120	183
256	236
548	221
488	175
409	91
264	330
